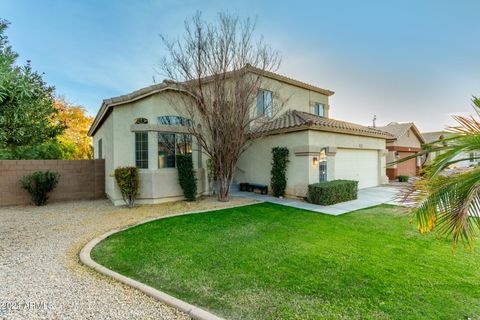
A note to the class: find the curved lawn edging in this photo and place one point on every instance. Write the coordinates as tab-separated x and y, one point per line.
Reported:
191	310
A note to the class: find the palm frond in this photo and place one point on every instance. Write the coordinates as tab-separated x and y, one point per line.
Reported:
449	202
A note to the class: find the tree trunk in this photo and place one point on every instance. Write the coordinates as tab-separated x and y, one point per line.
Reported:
224	182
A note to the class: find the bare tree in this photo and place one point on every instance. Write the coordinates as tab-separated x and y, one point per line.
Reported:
218	67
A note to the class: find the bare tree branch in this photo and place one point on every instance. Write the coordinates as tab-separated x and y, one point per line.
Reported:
219	66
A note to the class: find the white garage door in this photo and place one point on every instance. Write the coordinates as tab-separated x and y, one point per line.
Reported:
359	165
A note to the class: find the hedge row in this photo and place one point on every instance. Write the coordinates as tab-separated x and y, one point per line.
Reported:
331	192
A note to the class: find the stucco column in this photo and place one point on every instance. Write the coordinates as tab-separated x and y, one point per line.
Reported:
331	153
382	160
152	150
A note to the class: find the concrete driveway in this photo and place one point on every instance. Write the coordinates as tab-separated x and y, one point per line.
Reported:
367	197
40	273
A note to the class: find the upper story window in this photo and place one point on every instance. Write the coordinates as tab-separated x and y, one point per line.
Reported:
141	150
174	121
319	109
141	121
265	103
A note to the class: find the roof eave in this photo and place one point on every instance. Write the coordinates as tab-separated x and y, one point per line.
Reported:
323	129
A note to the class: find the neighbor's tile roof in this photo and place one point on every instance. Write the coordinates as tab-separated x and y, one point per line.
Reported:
295	120
397	129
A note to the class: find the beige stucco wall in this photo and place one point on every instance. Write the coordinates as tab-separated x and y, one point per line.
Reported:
255	164
105	132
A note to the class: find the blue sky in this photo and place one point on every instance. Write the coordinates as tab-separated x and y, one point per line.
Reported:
401	60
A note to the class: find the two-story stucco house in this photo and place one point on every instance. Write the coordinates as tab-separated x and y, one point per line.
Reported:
143	129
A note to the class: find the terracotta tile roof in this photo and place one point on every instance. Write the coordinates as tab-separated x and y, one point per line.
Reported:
295	120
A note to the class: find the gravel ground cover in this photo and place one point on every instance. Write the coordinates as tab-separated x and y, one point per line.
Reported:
41	276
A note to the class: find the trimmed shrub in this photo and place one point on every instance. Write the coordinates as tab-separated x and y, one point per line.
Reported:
330	192
278	180
186	176
39	184
403	178
128	181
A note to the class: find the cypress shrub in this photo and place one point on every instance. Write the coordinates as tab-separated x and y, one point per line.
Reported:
128	181
278	180
186	176
39	184
330	192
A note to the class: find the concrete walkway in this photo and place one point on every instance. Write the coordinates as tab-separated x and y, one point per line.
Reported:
366	198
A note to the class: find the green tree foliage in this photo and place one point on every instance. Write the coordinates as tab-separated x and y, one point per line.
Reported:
128	181
50	150
186	176
39	184
278	173
27	112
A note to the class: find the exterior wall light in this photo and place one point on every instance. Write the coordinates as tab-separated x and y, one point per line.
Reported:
315	161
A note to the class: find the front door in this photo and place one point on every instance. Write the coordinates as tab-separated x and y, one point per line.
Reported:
322	165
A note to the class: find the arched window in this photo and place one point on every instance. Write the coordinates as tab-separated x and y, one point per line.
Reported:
141	121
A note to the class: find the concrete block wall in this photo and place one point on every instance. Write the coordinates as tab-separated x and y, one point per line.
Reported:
79	179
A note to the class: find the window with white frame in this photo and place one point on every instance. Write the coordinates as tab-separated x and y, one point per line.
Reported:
170	145
141	150
319	109
265	103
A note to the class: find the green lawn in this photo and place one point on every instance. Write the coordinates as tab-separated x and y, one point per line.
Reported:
267	261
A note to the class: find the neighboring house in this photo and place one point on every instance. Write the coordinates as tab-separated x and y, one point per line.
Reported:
143	129
470	159
429	138
407	141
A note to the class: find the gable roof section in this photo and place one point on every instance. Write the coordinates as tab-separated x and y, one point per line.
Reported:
398	130
295	120
107	104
